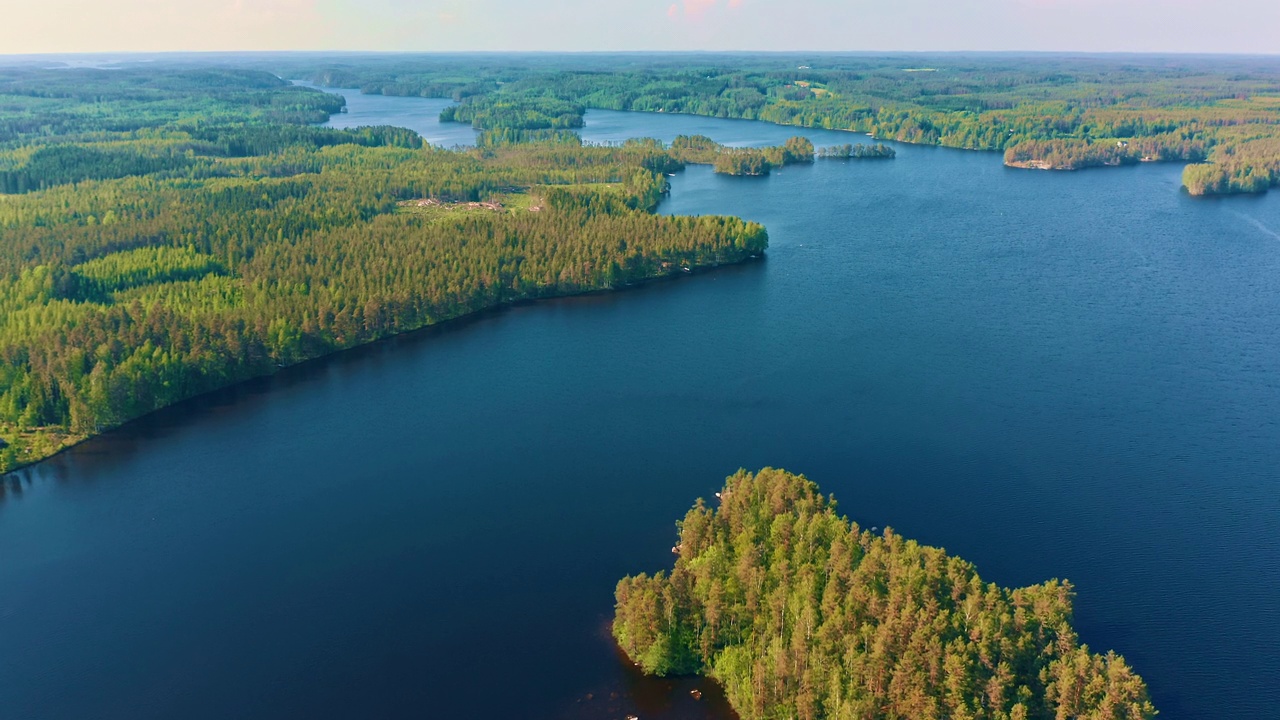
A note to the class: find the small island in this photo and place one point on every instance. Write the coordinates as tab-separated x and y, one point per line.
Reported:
850	151
702	150
800	613
486	112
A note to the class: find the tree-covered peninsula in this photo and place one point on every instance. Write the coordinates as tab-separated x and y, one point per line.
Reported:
800	613
166	232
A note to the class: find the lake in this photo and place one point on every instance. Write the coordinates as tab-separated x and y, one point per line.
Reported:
1049	374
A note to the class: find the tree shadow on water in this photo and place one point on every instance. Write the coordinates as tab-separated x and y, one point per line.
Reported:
628	692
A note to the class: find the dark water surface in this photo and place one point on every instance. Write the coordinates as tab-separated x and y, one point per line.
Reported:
1052	375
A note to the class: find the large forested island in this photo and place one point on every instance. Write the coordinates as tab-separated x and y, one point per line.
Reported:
169	232
800	613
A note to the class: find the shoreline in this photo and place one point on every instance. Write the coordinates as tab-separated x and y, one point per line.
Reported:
1050	167
1018	165
861	133
673	274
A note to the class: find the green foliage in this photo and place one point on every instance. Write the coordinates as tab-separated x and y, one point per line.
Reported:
702	150
797	150
647	624
515	112
742	161
697	149
1068	112
513	136
849	151
509	119
249	140
61	164
1065	155
135	288
40	103
800	613
98	279
60	127
1250	167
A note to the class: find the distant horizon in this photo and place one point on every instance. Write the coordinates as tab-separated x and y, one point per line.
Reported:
816	53
1160	27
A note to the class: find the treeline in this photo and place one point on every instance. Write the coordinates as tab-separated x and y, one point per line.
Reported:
85	366
1067	155
848	151
1250	167
800	613
66	126
1079	154
249	140
517	113
700	149
742	161
1166	110
279	243
40	103
61	164
188	153
513	120
373	81
654	156
512	136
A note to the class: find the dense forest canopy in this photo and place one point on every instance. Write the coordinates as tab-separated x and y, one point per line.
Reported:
849	151
165	232
800	613
1061	112
490	112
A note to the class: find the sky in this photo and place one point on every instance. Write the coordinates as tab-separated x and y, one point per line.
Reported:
1200	26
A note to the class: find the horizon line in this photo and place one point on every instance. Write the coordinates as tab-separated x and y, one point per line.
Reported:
873	53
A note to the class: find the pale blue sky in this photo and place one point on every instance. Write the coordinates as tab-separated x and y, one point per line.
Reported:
1235	26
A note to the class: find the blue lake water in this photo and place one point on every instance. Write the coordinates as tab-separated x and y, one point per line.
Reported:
1050	374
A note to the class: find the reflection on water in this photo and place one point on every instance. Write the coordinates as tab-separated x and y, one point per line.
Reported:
635	694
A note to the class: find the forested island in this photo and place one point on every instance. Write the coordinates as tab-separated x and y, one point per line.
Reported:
848	151
800	613
194	230
699	149
1049	112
